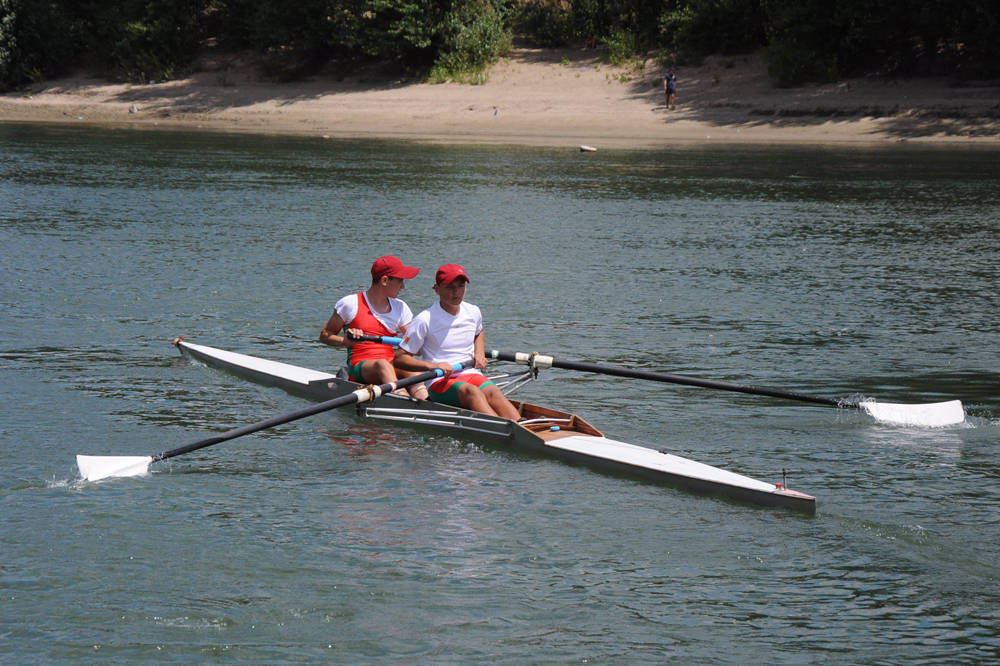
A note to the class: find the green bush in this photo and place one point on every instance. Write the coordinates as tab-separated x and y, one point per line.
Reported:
619	46
810	41
548	24
474	36
404	31
139	40
788	65
697	28
37	41
144	40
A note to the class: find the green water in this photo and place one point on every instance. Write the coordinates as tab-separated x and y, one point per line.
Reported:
841	272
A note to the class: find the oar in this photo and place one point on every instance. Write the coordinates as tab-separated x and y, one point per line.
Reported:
381	339
93	468
927	414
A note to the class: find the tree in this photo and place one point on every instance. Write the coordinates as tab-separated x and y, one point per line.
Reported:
38	40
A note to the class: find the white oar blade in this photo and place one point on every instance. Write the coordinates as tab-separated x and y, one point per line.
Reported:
931	415
94	468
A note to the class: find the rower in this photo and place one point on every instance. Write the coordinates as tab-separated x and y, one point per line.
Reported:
449	332
377	311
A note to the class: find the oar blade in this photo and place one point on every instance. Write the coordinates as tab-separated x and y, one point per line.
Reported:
930	415
95	468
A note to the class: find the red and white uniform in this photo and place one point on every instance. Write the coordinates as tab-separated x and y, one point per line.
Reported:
357	312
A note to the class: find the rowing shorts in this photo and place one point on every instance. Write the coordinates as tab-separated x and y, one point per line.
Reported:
446	390
355	372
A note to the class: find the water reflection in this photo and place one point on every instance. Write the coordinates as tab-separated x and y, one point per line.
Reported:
836	272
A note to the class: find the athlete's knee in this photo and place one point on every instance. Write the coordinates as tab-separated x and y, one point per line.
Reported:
380	370
493	393
472	397
469	391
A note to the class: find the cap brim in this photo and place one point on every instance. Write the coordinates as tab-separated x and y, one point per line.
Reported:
406	272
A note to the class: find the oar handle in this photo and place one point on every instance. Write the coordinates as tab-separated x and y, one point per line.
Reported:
363	394
381	339
542	361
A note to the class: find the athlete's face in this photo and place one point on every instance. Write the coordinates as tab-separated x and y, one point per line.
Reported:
451	294
393	285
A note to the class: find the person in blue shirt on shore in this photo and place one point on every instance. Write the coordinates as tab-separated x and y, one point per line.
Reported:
670	88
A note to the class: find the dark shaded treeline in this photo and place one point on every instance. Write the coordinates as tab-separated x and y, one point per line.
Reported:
141	40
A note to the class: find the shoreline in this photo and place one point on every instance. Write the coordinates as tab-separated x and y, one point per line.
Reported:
551	97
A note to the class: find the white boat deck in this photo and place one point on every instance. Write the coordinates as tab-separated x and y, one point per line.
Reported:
292	373
640	456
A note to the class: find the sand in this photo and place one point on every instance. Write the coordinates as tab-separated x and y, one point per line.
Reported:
545	97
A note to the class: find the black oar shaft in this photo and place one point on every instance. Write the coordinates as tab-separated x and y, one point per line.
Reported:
341	401
619	371
693	381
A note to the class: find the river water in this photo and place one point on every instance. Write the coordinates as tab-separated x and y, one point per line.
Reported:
841	272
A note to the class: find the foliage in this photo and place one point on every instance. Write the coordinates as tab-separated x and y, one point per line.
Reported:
296	38
619	46
816	40
549	23
696	28
402	29
474	35
36	41
976	43
142	40
798	40
291	39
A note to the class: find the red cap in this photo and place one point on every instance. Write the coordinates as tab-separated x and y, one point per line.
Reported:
449	273
393	267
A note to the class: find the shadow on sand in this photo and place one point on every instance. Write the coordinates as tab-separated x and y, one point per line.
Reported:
721	92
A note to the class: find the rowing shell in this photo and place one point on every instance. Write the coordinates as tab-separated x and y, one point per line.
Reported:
541	430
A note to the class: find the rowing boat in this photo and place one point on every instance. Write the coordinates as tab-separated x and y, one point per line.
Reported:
540	430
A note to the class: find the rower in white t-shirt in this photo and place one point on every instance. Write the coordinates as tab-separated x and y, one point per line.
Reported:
451	331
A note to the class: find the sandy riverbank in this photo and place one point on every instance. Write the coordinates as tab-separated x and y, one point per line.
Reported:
535	97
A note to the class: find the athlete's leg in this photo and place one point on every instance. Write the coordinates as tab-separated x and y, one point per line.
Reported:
418	391
378	372
472	397
499	402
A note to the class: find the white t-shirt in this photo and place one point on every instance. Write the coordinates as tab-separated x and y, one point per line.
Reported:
436	335
398	316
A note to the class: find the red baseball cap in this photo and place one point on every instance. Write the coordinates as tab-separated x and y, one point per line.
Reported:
449	273
393	267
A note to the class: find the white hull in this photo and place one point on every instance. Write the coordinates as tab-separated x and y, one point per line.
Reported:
545	431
